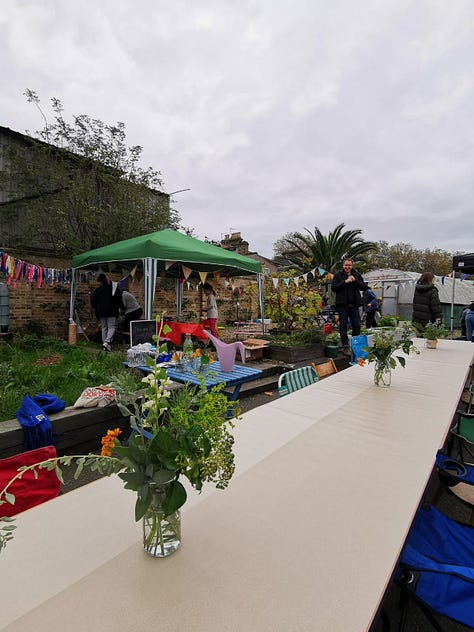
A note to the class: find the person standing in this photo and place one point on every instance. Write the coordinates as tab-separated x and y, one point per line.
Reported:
347	285
426	303
106	301
470	323
371	306
211	308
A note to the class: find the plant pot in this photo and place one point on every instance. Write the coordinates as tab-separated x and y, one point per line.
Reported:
382	375
331	351
161	534
431	344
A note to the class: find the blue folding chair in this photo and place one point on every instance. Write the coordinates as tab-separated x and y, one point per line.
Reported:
437	569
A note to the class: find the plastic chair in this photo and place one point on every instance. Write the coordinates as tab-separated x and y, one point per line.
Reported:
463	433
226	352
324	368
437	569
28	490
297	378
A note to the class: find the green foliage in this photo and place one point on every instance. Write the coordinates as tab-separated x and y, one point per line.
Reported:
331	339
433	331
288	305
403	256
318	250
33	365
387	321
78	184
386	343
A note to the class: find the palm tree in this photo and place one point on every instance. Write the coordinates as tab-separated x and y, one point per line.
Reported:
327	252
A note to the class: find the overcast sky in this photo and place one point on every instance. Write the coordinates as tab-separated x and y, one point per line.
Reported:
278	115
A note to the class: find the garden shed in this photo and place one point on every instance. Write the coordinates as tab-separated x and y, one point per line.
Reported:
165	252
396	289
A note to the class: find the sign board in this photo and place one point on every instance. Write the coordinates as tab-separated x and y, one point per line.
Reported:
142	331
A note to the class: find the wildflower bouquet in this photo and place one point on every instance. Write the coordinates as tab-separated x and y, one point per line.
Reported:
177	433
383	350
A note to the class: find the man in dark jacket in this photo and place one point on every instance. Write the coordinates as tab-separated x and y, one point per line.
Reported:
426	303
106	301
347	285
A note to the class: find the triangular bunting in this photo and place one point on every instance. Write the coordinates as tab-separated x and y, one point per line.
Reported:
186	272
203	277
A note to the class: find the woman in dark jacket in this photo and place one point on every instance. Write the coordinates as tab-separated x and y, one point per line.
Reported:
426	303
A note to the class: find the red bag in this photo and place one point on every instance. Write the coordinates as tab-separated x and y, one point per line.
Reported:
28	490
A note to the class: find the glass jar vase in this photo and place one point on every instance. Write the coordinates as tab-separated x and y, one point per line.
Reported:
382	375
161	534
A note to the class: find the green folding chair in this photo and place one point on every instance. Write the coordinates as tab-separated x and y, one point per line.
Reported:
297	378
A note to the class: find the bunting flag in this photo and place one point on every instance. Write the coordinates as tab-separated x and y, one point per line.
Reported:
186	272
133	271
296	280
203	277
286	282
275	282
313	272
305	277
321	271
16	270
168	264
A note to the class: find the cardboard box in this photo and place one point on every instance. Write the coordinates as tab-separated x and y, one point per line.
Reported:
254	348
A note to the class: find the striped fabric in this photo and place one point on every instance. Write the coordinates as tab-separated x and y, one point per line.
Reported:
296	379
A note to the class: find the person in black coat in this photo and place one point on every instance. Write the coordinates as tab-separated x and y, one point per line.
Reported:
106	301
347	285
426	303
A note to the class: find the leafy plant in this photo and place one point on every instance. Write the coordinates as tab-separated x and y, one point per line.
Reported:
387	321
433	331
288	305
384	347
331	340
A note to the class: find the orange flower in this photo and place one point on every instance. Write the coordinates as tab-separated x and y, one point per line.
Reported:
361	362
108	441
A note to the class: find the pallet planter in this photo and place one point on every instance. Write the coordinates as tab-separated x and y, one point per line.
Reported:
294	354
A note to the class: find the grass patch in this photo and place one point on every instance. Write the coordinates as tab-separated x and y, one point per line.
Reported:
32	365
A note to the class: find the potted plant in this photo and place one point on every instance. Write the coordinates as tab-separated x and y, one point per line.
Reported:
432	332
184	433
331	345
383	350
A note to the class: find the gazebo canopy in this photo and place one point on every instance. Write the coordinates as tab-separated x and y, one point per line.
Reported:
171	250
165	251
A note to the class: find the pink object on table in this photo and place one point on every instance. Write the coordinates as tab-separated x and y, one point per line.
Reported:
226	352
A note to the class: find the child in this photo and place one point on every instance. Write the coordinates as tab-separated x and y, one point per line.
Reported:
211	308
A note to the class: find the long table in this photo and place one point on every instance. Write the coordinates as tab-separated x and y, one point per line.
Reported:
305	538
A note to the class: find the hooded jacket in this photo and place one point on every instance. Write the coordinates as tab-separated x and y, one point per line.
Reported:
426	304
